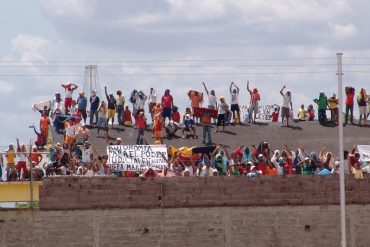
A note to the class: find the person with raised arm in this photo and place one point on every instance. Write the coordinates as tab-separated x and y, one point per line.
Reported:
234	104
255	97
69	89
112	105
287	102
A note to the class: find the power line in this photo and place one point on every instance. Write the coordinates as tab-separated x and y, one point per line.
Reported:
167	74
167	60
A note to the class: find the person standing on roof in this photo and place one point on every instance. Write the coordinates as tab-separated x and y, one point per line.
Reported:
234	101
255	97
167	104
362	105
82	105
350	94
120	106
94	105
112	105
287	102
152	102
69	88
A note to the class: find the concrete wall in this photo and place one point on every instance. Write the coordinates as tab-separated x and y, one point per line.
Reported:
217	226
65	193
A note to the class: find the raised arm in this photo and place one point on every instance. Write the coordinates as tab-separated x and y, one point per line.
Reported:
287	149
248	88
18	147
281	91
106	93
237	88
231	86
205	88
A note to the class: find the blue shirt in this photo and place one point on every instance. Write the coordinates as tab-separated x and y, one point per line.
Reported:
324	172
82	102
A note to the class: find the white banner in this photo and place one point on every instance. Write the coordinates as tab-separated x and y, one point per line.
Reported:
136	157
264	112
364	151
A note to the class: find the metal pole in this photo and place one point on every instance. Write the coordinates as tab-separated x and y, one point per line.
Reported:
341	154
31	176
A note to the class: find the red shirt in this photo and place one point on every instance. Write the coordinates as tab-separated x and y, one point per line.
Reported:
176	117
349	99
167	101
127	115
140	122
262	168
275	117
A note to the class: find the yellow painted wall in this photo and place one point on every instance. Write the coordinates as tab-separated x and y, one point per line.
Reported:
18	191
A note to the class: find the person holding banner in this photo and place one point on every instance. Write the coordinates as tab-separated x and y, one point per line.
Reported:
196	99
234	101
255	97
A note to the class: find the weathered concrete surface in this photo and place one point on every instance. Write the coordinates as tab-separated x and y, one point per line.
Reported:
218	226
62	193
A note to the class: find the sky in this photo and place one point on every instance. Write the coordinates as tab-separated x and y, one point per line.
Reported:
177	44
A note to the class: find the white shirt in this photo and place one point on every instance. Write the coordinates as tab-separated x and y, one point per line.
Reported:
153	97
70	130
212	100
22	157
234	98
206	172
57	105
222	108
68	93
287	100
86	152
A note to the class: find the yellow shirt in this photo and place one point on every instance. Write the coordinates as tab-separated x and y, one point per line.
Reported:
301	114
358	173
10	157
333	103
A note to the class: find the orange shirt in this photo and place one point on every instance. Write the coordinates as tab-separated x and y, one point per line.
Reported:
271	171
44	122
195	100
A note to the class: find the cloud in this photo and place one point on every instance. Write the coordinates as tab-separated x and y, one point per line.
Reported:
27	47
68	8
344	31
6	88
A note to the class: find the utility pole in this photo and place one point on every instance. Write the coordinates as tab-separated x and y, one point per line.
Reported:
341	152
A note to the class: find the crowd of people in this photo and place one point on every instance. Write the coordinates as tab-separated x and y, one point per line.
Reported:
76	155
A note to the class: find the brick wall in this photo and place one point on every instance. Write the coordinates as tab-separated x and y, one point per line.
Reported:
62	193
285	226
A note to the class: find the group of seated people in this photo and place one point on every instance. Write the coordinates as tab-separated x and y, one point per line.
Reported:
216	160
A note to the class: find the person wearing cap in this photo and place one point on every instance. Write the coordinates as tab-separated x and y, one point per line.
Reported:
306	166
94	105
112	105
36	156
82	105
167	104
287	105
152	102
255	97
118	141
221	113
120	106
141	126
261	165
189	125
69	88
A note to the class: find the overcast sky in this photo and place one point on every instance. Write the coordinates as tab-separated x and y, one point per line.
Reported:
177	44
